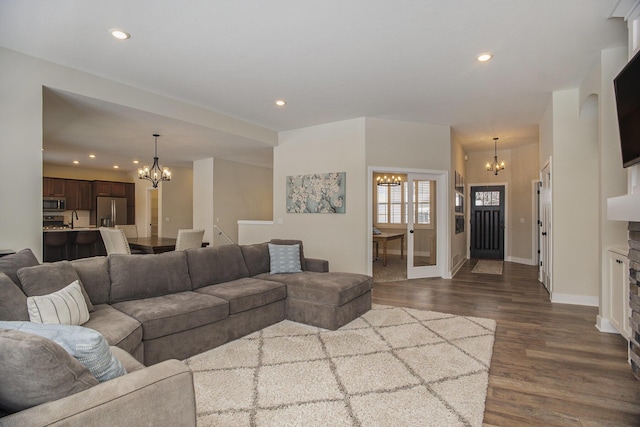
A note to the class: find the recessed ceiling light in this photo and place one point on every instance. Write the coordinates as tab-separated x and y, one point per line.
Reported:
281	102
92	156
75	162
484	57
135	162
119	34
116	166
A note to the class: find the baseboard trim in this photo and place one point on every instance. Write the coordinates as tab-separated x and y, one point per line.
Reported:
457	267
604	325
517	260
575	299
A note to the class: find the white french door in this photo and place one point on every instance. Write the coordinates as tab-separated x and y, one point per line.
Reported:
422	226
546	255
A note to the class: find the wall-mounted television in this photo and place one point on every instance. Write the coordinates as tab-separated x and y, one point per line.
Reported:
627	90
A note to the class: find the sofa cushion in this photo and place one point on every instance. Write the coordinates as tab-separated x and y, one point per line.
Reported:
169	314
217	264
144	276
86	345
130	363
327	288
286	242
66	307
47	278
94	275
116	327
284	259
10	264
13	302
245	294
256	258
35	370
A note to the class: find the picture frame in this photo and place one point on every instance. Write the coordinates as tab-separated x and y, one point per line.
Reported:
459	205
316	193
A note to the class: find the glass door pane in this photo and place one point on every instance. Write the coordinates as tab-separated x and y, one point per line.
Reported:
421	226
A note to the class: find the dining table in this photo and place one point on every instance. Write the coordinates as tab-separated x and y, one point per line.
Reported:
154	244
384	238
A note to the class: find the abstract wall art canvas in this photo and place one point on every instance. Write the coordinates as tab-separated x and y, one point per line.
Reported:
317	193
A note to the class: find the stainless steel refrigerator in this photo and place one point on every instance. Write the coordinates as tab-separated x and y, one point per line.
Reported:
112	211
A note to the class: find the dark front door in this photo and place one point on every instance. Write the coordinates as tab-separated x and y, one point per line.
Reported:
487	222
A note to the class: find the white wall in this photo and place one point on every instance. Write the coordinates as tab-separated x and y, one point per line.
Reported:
351	146
203	205
576	202
241	192
458	241
176	203
333	147
613	177
72	172
407	145
21	81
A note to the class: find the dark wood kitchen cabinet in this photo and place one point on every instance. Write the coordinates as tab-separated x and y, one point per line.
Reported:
110	189
130	190
53	187
78	194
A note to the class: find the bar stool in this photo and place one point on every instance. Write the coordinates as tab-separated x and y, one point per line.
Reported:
57	240
86	238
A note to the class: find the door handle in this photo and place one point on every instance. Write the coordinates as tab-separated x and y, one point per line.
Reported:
411	231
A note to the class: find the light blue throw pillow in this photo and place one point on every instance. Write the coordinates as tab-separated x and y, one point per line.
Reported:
86	345
285	258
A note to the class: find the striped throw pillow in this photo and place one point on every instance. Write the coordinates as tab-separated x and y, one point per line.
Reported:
65	307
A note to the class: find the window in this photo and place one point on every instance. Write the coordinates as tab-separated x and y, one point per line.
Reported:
392	204
487	198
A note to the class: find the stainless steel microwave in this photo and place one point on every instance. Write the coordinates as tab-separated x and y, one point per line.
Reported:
54	204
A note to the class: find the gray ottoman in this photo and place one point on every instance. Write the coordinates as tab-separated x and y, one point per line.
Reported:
327	300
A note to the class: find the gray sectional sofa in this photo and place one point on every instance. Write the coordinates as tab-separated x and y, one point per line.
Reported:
153	309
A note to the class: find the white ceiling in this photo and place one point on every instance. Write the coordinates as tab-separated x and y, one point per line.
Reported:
331	60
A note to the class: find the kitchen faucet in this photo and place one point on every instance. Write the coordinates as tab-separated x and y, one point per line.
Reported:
72	214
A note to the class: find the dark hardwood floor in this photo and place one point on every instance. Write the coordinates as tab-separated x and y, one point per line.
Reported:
550	364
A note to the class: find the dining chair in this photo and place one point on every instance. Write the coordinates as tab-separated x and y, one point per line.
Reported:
188	239
130	230
115	242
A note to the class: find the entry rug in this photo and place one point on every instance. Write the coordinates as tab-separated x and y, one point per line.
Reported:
391	367
488	267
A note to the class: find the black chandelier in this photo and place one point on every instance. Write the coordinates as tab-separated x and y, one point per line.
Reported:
156	173
495	166
389	181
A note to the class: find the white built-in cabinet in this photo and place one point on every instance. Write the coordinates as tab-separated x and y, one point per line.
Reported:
619	290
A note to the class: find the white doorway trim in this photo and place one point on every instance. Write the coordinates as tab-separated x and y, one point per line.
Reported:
443	222
535	229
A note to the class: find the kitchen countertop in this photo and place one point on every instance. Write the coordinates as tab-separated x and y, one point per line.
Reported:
58	230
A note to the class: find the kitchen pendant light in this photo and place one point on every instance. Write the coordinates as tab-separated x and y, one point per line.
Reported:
155	174
495	166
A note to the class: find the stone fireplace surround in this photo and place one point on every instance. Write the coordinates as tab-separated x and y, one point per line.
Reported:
634	296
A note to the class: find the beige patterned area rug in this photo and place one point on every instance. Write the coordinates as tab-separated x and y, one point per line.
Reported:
391	367
486	266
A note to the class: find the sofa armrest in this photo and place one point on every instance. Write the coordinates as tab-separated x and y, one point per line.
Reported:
317	265
161	394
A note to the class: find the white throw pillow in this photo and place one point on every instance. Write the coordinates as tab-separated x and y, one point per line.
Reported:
285	258
65	307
